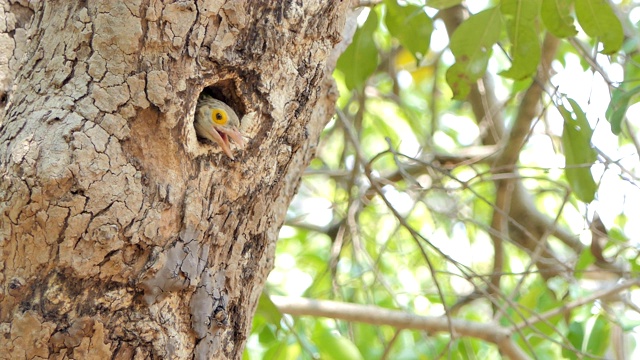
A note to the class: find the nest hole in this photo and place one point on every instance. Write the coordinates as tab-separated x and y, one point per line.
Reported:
226	91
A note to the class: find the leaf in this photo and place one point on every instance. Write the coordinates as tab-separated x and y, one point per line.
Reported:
333	346
575	336
521	16
442	4
598	338
599	21
282	351
585	259
471	45
579	155
618	107
555	15
268	309
631	68
411	26
360	59
539	299
629	324
267	335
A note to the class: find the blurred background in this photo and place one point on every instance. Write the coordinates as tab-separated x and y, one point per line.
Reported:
482	166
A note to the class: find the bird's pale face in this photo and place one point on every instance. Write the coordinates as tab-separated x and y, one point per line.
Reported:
219	123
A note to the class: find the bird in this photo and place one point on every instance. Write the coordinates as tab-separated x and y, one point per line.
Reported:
216	121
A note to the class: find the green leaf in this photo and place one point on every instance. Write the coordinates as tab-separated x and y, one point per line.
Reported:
579	155
521	16
586	258
267	335
268	310
538	299
629	324
616	236
471	45
599	332
411	26
282	351
442	4
618	107
575	336
631	68
599	21
592	338
555	15
360	59
333	346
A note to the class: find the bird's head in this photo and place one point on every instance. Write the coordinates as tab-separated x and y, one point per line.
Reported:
218	122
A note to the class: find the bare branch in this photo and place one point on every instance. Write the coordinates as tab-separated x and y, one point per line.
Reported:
375	315
528	110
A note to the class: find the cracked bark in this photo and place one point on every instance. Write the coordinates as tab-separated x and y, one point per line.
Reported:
121	235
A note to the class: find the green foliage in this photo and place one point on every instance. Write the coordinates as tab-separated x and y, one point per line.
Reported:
333	346
410	25
410	204
521	17
555	15
585	260
579	155
442	4
538	299
599	21
620	101
268	311
472	49
360	59
589	336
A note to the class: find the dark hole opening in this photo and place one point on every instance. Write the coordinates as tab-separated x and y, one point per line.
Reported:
225	91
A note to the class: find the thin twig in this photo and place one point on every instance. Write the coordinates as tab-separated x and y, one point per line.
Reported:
574	304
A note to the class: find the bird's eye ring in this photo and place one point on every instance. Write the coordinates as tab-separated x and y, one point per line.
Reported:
219	116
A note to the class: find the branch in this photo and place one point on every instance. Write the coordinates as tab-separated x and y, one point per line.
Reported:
519	211
528	110
375	315
574	304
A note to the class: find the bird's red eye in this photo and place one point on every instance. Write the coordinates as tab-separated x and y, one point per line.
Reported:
219	116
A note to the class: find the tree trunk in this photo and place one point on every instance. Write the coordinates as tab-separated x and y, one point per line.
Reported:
122	234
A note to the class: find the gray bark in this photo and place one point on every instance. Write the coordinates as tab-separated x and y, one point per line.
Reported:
121	234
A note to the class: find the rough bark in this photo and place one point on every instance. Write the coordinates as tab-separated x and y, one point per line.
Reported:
121	234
